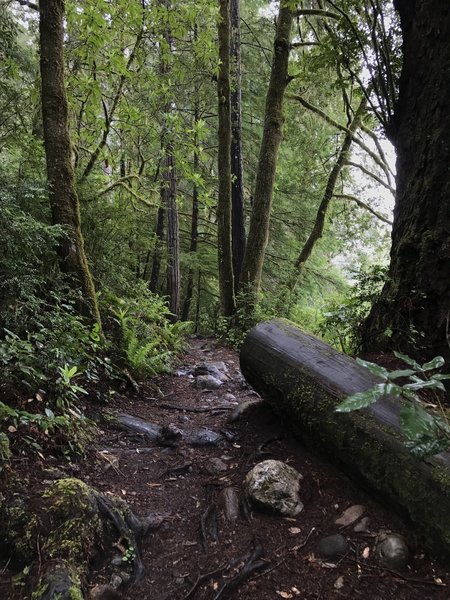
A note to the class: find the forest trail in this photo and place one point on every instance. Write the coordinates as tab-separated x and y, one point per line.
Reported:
199	553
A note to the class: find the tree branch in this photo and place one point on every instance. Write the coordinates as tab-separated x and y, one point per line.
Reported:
316	12
31	5
108	118
372	175
363	205
330	121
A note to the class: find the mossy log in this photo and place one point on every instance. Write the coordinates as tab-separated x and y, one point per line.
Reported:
304	379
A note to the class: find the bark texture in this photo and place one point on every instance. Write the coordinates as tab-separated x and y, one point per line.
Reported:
237	167
62	194
265	176
413	310
226	285
304	379
169	185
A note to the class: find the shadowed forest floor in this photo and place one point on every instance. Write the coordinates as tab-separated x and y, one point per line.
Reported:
197	551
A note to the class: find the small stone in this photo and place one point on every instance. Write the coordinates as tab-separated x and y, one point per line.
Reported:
204	437
229	397
244	409
104	592
362	526
207	382
332	546
229	502
392	551
274	485
115	581
350	515
215	466
117	561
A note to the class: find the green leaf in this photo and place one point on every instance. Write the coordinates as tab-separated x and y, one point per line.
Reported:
360	400
408	360
416	422
401	373
373	368
435	363
425	385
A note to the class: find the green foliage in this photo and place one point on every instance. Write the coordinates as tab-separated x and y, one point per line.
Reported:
341	323
39	403
426	433
149	340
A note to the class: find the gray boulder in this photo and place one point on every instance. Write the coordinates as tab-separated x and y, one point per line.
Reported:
274	485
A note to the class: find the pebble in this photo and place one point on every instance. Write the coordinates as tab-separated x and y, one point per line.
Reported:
332	546
392	551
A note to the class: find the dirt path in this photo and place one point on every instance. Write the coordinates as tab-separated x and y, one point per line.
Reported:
186	485
208	547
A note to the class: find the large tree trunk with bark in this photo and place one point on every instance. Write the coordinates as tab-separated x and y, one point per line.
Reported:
169	184
265	176
237	167
412	313
226	285
304	379
62	194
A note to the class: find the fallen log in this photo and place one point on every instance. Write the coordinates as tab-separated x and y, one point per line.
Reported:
304	379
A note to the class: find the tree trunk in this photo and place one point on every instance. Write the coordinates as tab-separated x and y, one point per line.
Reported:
413	310
159	242
62	194
238	238
226	285
265	176
194	224
169	188
173	238
304	379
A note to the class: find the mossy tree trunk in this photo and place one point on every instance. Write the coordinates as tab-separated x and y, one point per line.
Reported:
194	218
62	193
265	177
412	313
169	179
226	284
237	168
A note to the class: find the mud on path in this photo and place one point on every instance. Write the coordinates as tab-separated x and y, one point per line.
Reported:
201	553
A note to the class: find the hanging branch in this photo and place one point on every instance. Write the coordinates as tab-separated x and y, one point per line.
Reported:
372	175
363	205
109	116
381	163
319	223
317	12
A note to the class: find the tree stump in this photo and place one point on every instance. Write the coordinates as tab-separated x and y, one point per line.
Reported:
304	380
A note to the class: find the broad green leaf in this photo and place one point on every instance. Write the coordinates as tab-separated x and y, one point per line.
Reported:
441	376
408	360
425	385
416	422
435	363
401	373
360	400
373	368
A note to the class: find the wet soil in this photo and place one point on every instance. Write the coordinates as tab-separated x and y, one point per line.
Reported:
197	552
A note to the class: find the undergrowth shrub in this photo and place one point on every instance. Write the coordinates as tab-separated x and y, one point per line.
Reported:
148	338
341	323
